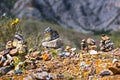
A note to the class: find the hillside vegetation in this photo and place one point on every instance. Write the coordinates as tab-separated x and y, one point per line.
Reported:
33	33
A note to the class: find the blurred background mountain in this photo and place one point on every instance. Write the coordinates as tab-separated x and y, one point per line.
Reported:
80	15
68	17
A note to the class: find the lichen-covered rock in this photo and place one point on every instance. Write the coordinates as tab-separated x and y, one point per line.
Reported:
35	54
9	45
13	52
116	51
29	77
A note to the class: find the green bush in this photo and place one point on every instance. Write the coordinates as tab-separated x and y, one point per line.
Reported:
102	31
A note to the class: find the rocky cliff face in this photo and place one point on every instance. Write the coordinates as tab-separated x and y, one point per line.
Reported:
81	15
6	6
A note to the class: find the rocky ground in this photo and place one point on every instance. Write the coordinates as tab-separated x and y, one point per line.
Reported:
23	63
66	68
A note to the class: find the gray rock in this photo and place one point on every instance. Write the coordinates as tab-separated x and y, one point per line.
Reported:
50	77
105	73
10	72
4	70
41	75
38	70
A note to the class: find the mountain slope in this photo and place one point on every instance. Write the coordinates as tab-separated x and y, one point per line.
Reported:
80	15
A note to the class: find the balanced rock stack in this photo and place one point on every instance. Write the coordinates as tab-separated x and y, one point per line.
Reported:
51	39
88	45
19	43
106	44
13	48
91	44
84	47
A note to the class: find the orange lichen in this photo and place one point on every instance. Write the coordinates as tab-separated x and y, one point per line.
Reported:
45	56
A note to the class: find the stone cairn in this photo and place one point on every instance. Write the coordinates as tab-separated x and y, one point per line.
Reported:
88	44
106	44
12	50
51	38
